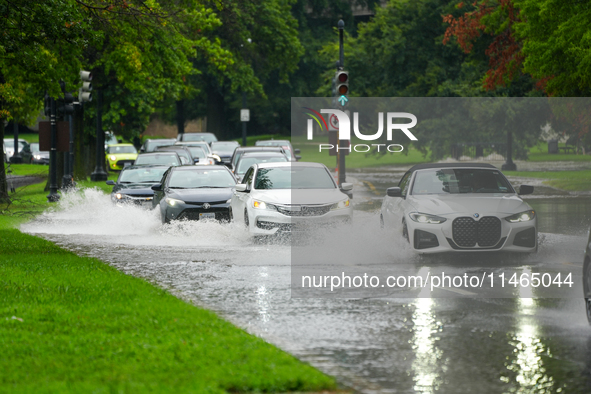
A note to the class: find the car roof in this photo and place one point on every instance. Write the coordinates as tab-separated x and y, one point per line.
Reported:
290	164
159	139
259	148
120	144
262	154
426	166
145	166
278	141
188	167
159	152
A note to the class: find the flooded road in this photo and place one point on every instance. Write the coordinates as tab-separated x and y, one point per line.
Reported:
404	345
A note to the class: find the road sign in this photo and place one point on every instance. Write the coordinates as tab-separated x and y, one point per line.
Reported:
333	123
244	115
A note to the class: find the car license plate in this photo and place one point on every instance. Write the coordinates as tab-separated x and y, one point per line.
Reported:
207	216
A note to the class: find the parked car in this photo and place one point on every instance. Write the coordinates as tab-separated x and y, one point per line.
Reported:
134	184
263	201
587	277
460	208
158	158
183	152
120	155
23	148
250	158
207	137
150	145
195	193
244	149
285	144
225	150
39	157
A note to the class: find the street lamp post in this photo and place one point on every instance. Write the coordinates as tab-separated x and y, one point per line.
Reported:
343	144
53	196
16	157
509	165
99	173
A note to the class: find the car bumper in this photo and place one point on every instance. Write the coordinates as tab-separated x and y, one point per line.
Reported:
141	201
267	222
440	238
43	160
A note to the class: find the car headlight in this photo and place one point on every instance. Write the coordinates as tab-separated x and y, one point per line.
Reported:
524	216
119	196
263	205
173	202
229	201
426	218
340	205
113	158
37	157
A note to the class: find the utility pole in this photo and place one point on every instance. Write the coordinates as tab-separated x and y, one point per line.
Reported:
342	143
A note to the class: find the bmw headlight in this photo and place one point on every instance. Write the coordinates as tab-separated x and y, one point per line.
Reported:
113	158
426	218
263	205
340	205
524	216
173	202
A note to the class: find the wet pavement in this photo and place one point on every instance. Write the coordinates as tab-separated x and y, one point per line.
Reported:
398	345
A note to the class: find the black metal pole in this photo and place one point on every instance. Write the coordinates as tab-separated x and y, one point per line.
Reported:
509	165
67	178
53	196
71	153
342	143
16	157
244	123
99	173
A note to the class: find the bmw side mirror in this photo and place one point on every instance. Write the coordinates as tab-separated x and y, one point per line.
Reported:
525	189
110	183
347	186
241	187
157	187
298	158
394	192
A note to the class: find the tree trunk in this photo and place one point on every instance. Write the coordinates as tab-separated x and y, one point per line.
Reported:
216	119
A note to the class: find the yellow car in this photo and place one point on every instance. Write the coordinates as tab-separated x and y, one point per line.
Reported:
120	155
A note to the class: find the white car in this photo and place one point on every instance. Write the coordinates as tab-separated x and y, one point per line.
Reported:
283	197
460	208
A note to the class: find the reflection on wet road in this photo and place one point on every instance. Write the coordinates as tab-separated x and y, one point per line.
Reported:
423	345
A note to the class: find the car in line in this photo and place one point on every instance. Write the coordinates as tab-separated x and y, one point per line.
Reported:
39	157
276	198
285	144
587	278
466	207
150	145
187	137
250	158
23	148
183	152
244	149
120	155
158	158
225	150
134	184
194	193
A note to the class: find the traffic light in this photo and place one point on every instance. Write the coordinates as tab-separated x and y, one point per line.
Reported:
65	105
84	94
342	82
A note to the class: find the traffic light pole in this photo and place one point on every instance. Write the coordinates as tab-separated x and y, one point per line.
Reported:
53	196
342	143
99	173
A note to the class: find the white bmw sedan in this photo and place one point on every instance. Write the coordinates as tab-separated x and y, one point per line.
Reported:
458	208
285	197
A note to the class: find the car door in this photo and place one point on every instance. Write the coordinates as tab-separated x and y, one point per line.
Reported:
394	207
159	194
240	199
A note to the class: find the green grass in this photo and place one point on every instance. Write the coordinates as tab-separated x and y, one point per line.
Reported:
29	169
250	140
29	137
80	325
567	180
539	152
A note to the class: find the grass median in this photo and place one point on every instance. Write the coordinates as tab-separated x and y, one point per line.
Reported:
74	324
579	180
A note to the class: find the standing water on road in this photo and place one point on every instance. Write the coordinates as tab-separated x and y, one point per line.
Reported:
402	345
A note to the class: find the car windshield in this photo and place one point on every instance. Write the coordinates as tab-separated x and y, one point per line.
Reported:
247	161
293	178
199	137
201	179
34	147
197	151
142	175
9	143
181	152
121	149
152	145
170	159
456	181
